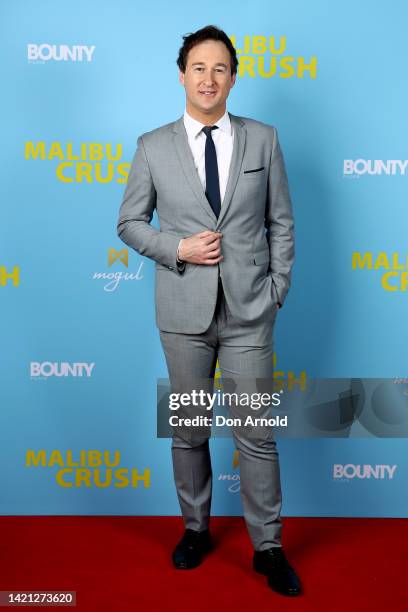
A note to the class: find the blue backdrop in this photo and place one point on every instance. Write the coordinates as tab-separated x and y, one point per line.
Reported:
80	353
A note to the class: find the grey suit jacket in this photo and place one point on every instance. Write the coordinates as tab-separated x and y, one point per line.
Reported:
256	221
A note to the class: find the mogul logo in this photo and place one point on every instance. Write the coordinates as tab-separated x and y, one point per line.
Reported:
9	277
122	255
114	278
390	167
45	52
266	56
233	480
86	162
62	369
393	267
350	471
88	468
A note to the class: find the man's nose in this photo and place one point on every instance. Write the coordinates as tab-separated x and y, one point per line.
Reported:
208	78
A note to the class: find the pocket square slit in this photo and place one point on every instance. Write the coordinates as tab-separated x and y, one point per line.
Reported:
255	170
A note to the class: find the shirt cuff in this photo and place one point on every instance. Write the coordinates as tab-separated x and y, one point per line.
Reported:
180	261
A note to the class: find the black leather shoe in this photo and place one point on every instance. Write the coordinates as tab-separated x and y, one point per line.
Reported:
191	549
282	577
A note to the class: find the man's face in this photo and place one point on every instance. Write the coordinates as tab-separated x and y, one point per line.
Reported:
207	79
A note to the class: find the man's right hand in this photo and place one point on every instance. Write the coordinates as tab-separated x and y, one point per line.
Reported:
202	248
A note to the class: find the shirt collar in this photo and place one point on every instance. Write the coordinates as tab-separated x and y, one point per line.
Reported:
194	127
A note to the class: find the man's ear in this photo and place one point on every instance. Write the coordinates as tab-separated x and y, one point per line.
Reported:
233	79
181	77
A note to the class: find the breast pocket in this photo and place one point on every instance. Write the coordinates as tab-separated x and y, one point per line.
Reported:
253	181
255	173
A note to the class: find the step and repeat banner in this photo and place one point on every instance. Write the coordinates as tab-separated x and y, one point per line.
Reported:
80	352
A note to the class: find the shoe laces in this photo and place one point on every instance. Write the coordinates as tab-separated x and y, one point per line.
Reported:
277	556
190	537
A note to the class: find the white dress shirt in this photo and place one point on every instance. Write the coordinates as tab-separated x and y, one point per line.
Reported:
223	140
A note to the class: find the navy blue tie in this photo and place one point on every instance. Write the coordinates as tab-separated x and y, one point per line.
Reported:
212	182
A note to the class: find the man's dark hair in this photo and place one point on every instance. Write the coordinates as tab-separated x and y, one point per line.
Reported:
210	32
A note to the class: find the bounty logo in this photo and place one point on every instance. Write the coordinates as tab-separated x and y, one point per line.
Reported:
393	268
350	471
267	57
62	369
114	278
233	480
354	168
39	54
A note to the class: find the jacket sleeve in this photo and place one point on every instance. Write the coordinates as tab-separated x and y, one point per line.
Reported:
136	213
279	223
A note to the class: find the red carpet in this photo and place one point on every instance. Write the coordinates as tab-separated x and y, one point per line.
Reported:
123	563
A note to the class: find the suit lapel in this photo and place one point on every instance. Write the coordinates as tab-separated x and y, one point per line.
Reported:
236	163
187	163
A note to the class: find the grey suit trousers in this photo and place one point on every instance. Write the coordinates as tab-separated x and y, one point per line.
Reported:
244	353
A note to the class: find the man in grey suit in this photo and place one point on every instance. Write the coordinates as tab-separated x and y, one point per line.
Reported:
223	254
